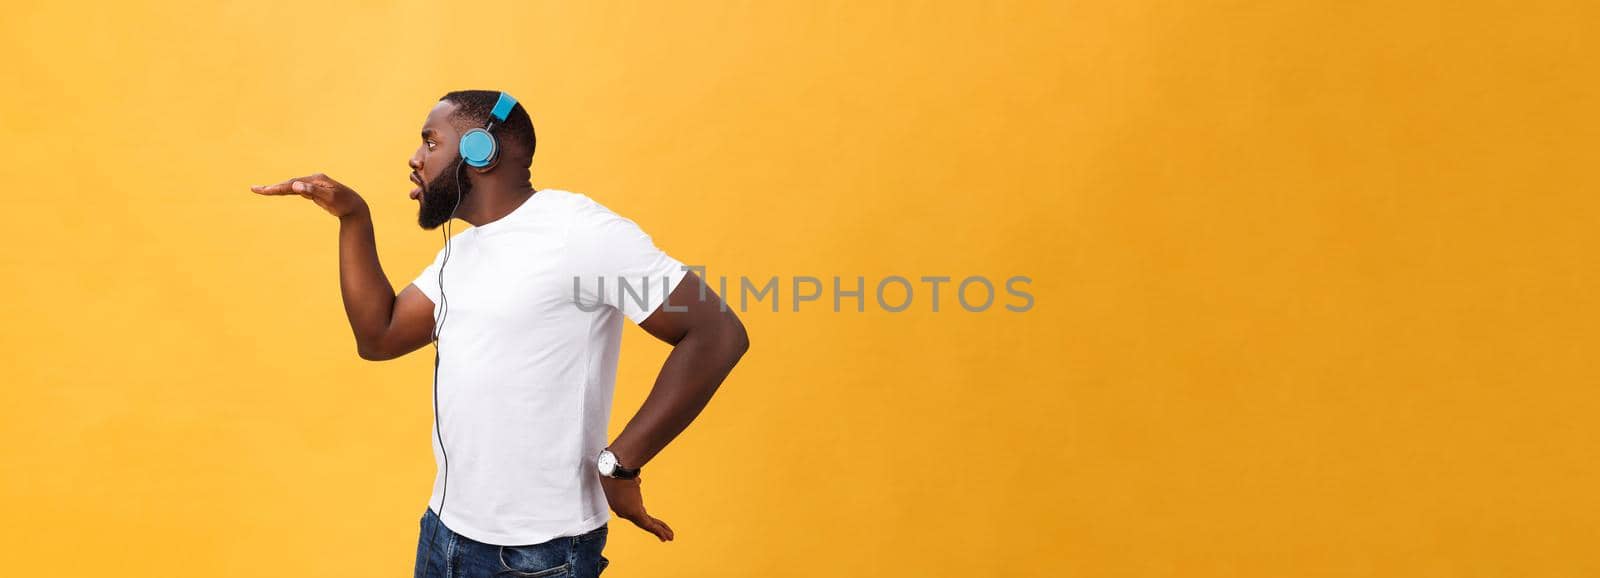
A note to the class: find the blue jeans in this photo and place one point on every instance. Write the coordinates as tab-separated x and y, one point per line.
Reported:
456	556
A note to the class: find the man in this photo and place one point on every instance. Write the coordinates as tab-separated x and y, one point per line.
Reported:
529	306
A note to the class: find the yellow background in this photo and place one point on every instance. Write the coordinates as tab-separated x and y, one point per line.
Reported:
1315	284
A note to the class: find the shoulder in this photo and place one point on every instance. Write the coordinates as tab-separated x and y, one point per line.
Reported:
585	217
574	205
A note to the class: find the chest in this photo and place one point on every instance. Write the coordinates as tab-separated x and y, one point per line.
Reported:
517	281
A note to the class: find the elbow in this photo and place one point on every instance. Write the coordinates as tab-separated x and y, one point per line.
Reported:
736	340
742	344
371	352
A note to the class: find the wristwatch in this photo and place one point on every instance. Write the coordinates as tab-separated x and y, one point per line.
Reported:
611	468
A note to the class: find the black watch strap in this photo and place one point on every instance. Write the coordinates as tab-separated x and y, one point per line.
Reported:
622	473
618	471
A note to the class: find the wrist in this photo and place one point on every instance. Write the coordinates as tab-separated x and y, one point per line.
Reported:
610	465
357	212
630	455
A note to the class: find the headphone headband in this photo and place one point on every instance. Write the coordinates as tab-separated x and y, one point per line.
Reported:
478	147
503	106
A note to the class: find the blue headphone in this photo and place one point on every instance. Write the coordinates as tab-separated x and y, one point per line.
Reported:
478	146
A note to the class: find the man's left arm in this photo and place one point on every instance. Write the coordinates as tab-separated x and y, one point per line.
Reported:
707	341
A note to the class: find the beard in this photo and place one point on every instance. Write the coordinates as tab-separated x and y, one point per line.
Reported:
439	199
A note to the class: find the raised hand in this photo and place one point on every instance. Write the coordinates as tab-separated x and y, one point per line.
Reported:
339	200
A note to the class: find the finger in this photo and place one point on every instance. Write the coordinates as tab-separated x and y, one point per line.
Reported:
660	529
315	191
646	523
283	188
278	189
649	525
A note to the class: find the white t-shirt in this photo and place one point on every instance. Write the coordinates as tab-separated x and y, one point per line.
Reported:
525	373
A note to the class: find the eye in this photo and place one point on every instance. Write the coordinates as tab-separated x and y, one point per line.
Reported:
430	145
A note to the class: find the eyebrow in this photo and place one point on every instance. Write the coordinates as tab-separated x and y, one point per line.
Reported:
427	132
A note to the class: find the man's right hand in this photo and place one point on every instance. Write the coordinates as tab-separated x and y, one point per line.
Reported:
327	193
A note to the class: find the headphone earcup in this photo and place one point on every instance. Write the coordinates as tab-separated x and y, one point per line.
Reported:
478	148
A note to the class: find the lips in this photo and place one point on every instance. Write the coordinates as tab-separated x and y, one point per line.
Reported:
416	192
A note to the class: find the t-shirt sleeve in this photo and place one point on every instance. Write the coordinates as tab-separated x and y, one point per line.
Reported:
619	265
428	281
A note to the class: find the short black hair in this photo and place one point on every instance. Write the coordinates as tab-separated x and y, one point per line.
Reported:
472	111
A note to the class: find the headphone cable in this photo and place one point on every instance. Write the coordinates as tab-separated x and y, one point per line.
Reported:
444	304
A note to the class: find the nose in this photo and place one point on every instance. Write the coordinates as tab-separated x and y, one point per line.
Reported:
415	164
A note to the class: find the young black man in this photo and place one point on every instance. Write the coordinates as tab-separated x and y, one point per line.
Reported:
529	305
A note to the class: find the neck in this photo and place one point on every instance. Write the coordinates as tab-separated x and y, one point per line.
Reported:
489	202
